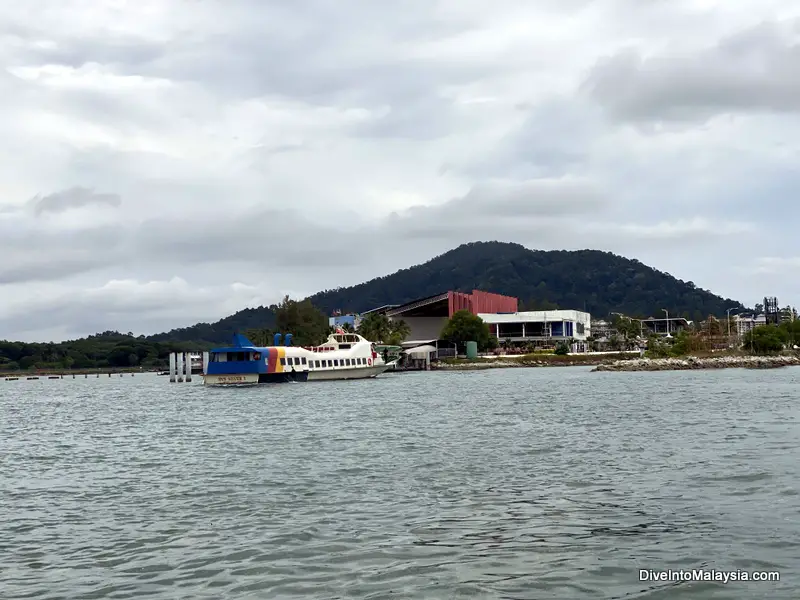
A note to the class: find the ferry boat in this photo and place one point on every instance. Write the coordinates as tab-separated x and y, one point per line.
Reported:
342	356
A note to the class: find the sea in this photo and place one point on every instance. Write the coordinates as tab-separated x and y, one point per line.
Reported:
527	483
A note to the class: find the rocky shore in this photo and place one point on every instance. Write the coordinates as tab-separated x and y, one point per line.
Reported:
581	360
691	363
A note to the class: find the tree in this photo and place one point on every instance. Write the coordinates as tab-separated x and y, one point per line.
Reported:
657	348
766	339
628	329
379	328
465	327
260	337
561	349
307	324
398	332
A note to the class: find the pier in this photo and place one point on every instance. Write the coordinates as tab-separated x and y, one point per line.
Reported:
180	366
35	375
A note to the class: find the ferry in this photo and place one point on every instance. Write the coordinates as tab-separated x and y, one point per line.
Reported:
342	356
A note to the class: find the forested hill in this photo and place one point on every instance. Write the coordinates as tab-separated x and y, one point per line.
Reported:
598	282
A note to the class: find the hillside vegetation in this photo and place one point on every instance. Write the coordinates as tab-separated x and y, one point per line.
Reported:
598	282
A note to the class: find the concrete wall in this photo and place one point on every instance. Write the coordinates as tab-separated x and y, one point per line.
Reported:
424	328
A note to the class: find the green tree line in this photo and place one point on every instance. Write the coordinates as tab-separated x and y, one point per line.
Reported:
110	349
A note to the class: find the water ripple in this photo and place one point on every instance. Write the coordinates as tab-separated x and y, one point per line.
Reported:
519	483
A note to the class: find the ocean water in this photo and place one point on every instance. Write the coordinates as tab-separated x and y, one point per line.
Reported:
508	483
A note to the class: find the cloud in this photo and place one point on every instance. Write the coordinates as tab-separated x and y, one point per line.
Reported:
755	69
772	265
76	197
165	162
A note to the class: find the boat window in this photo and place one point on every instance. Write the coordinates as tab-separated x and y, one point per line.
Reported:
283	361
316	364
303	360
336	362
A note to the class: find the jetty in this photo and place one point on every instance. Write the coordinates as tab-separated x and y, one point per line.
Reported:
34	375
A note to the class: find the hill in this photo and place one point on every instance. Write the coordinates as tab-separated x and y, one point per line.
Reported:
591	280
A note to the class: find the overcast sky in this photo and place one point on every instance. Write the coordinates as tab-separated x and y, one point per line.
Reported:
172	161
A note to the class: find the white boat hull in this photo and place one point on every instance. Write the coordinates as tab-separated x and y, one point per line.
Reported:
352	373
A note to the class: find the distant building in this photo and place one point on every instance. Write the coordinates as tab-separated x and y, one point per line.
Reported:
541	327
340	320
746	323
602	330
426	317
665	326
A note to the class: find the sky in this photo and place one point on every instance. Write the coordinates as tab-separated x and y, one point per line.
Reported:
166	162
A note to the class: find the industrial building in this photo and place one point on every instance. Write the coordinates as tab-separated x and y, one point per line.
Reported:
426	317
542	327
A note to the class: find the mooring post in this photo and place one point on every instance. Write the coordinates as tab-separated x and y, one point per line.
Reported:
187	357
179	362
172	369
205	363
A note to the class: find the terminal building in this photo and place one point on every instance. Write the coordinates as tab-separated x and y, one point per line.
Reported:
426	317
542	327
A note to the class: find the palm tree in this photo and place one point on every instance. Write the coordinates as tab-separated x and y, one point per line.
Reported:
399	331
378	328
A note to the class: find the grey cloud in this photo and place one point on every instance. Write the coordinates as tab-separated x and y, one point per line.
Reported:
36	254
547	213
357	54
555	139
323	106
755	70
76	197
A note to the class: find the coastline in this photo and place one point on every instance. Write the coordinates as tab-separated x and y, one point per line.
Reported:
691	363
528	360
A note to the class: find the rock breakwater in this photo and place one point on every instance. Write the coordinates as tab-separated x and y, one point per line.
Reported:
692	362
577	360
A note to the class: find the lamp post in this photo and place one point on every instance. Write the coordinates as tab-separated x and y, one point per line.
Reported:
729	324
666	312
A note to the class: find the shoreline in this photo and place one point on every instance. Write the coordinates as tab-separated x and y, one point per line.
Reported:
528	361
692	363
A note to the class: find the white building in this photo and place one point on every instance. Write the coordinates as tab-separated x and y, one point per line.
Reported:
748	322
541	327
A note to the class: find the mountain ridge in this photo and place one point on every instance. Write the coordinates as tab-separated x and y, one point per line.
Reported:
593	280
